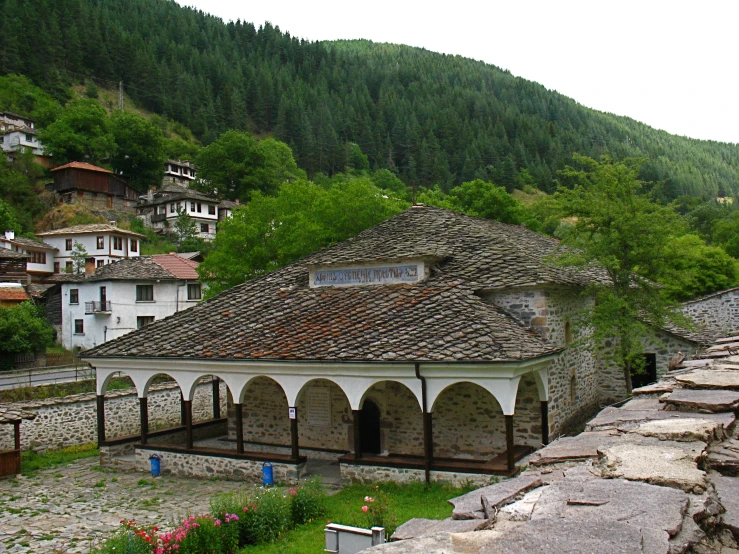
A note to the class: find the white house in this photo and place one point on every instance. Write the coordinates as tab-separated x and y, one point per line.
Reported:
178	172
118	298
159	209
17	139
10	121
41	256
104	242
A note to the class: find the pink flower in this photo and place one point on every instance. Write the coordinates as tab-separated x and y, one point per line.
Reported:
217	522
246	508
365	508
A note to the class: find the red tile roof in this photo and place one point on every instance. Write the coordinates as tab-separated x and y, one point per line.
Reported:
177	265
13	294
82	165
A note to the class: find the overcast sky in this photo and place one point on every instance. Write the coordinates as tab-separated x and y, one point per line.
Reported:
672	65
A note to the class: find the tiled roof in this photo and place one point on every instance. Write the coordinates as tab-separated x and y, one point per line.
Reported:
184	194
17	293
189	255
38	290
697	336
7	253
32	243
87	229
82	165
178	266
228	204
441	319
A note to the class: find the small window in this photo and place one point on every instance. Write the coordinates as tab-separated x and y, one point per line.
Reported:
144	293
134	245
68	267
171	208
100	263
200	207
568	332
101	243
56	267
79	327
74	296
192	206
144	320
37	257
204	228
29	138
194	292
212	210
68	244
573	386
117	243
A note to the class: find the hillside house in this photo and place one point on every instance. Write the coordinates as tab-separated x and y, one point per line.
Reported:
434	345
177	172
160	208
13	266
41	256
10	121
96	187
103	242
113	300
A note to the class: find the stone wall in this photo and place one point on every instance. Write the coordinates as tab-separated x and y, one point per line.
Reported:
72	420
717	313
206	467
351	473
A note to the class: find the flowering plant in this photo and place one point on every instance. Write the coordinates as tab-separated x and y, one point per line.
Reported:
375	512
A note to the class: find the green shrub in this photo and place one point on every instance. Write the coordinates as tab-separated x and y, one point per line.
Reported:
308	502
128	539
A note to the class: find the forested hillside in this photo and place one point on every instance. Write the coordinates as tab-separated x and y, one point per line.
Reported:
431	118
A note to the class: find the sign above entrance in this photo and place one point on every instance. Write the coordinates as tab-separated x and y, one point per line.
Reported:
386	274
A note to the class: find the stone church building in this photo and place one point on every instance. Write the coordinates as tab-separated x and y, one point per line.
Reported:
435	345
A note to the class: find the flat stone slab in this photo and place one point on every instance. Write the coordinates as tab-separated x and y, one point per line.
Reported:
682	430
665	463
635	503
617	418
583	446
420	527
470	505
439	543
724	457
655	388
640	404
710	379
727	489
695	363
564	536
704	400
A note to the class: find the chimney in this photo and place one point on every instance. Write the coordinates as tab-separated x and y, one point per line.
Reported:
89	266
113	223
9	235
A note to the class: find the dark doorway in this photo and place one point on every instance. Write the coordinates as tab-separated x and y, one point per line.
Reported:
103	299
648	373
369	428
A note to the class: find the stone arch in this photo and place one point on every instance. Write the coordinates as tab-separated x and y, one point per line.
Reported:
264	406
401	417
468	422
527	422
164	403
324	416
201	396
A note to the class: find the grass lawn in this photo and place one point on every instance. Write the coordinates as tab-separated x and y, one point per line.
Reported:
31	462
405	502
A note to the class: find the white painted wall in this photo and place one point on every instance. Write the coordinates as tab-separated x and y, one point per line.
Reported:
15	140
169	297
48	267
89	241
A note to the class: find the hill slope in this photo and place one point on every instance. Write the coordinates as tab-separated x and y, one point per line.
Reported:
435	119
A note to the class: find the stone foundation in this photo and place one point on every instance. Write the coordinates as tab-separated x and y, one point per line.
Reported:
351	473
206	467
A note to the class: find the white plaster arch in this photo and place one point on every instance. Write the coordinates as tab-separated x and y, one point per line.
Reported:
139	378
541	376
504	390
318	378
250	377
399	381
183	380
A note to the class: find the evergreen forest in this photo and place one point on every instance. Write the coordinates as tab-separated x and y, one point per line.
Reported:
430	119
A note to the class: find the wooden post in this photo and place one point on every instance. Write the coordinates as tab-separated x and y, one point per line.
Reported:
239	428
183	411
101	418
216	398
510	452
294	433
188	422
544	422
17	434
144	411
428	445
357	440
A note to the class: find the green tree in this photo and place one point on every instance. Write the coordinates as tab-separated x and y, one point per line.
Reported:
8	221
629	236
139	150
490	201
80	134
185	227
23	329
273	231
79	256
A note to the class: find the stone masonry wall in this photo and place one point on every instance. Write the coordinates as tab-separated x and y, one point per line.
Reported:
72	420
717	313
574	377
351	473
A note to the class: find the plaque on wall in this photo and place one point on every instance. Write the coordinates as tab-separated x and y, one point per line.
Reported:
318	406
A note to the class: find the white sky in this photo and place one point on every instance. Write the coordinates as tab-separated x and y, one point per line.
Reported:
672	65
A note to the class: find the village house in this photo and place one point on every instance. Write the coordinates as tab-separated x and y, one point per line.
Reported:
435	345
10	121
103	242
110	301
160	208
41	256
177	172
13	266
96	187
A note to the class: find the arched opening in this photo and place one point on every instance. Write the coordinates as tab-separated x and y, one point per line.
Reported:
120	395
264	416
324	419
369	427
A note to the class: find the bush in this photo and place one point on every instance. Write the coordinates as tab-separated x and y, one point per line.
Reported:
308	502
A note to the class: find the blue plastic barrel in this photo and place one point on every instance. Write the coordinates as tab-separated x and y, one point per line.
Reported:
155	461
268	478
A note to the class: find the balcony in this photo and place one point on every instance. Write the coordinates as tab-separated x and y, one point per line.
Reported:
97	307
158	218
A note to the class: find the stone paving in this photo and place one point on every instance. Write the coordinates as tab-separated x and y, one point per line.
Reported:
65	508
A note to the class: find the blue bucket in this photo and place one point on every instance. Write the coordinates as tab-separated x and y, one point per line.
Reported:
268	477
155	461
